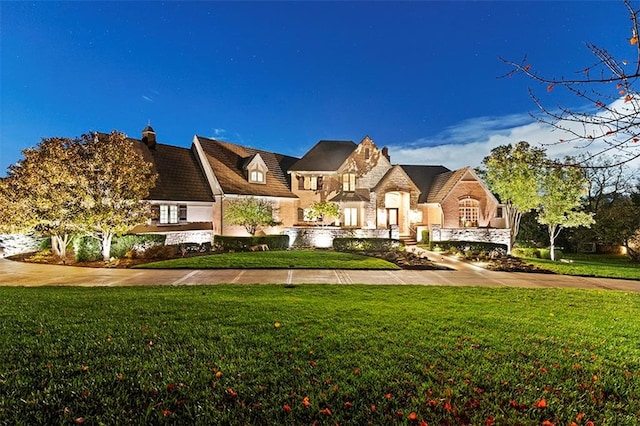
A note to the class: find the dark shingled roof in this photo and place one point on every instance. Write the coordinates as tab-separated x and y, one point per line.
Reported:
359	195
325	156
425	177
227	161
180	177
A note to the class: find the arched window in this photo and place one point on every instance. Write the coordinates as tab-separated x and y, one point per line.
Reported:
468	211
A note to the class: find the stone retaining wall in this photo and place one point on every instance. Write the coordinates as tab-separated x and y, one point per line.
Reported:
487	235
180	237
11	244
322	237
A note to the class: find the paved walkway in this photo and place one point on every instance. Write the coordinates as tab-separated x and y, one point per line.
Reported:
26	274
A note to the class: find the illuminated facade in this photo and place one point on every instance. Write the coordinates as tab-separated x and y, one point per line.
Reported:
196	184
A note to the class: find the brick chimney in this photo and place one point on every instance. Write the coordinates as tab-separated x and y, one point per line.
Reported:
385	152
149	137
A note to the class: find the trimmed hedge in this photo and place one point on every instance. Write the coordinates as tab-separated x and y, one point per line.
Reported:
465	246
87	249
123	244
538	253
530	252
366	244
228	243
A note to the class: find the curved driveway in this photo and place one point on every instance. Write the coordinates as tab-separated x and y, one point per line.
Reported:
26	274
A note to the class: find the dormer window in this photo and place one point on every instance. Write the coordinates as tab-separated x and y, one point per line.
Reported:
256	169
256	176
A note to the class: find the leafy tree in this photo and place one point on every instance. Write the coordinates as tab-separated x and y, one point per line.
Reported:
251	213
93	184
513	173
324	211
40	192
114	179
561	198
608	89
614	200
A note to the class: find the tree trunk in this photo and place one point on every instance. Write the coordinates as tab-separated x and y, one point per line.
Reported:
106	246
55	245
552	239
59	245
513	217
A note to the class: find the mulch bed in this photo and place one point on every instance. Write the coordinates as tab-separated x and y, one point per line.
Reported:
514	264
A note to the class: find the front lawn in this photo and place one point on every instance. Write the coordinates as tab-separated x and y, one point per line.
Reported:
295	259
269	354
592	265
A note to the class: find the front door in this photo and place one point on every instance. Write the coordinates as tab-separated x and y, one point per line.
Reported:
392	217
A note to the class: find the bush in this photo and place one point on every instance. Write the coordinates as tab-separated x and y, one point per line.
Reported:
466	246
227	243
545	253
526	252
132	245
366	244
87	249
159	252
425	236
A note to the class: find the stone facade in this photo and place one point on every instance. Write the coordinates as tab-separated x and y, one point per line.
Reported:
11	244
181	237
322	237
486	235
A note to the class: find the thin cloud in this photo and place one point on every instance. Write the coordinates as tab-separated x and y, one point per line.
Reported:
468	142
147	98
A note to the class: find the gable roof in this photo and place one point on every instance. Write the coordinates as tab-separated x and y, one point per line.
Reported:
180	177
228	160
394	170
425	178
445	182
325	156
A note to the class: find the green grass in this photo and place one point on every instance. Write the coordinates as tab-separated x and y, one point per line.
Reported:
275	259
592	265
360	354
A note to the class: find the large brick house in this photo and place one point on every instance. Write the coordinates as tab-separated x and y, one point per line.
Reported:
376	197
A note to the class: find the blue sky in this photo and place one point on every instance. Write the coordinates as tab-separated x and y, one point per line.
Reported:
419	77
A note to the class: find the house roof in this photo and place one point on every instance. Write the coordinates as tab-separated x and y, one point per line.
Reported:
358	195
426	178
326	156
445	182
192	226
180	177
227	161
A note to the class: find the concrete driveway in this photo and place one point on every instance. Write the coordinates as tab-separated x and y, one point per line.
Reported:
31	275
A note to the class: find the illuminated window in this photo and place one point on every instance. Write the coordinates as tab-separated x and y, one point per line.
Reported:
172	213
351	216
311	182
349	182
468	212
256	176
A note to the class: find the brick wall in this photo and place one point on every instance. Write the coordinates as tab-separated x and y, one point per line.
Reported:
471	189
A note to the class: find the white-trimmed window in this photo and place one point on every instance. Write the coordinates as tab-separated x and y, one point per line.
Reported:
171	213
311	182
351	216
256	176
468	209
349	182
